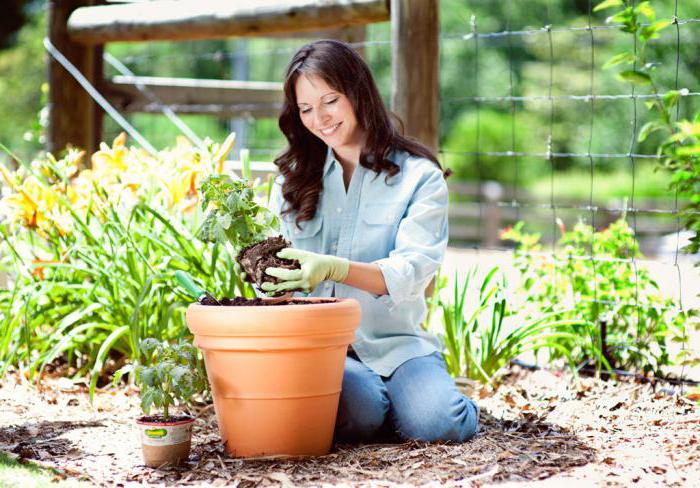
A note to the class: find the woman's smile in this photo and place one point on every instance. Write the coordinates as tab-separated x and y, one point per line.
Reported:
330	129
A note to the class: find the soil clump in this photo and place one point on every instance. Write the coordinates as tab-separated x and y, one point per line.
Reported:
262	255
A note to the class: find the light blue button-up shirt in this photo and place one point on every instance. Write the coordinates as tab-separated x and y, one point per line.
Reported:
400	225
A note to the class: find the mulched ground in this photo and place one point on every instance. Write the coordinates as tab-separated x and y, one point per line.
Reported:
538	428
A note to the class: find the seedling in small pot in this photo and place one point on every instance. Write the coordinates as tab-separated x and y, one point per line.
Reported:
170	375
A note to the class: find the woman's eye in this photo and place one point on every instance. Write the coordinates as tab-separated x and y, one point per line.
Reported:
331	102
305	110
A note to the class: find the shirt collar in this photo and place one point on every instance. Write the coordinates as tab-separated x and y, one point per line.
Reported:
330	159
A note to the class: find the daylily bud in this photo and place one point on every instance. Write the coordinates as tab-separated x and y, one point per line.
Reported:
223	152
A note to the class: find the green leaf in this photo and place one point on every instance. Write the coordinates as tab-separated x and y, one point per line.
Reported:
648	128
607	4
105	348
636	77
149	345
651	31
147	376
626	58
671	98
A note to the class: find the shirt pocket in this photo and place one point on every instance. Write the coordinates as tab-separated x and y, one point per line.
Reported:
308	235
380	222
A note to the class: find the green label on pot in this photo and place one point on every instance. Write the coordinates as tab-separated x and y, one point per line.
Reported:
156	433
165	435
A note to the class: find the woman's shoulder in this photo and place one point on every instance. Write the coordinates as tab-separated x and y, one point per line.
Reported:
411	164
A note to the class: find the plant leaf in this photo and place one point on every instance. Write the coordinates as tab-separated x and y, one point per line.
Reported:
607	4
636	77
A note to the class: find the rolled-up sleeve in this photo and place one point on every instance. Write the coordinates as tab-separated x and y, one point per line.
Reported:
421	241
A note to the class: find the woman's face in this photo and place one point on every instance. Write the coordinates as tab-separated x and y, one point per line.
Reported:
327	113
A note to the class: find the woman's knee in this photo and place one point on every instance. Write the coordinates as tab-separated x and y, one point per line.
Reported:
449	420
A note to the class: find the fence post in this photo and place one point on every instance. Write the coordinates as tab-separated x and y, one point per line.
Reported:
415	63
74	118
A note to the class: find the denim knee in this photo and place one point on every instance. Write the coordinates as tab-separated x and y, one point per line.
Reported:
453	419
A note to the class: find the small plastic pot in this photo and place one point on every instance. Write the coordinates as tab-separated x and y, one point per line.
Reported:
165	443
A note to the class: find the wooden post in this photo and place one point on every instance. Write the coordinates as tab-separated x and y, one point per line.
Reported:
74	118
415	63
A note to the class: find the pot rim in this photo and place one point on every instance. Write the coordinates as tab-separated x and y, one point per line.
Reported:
338	302
140	421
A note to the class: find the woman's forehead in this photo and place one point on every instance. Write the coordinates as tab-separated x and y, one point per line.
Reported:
311	87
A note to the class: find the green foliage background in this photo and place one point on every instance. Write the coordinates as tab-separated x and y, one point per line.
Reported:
520	126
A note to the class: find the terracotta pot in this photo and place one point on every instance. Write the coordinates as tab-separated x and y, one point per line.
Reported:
165	443
275	372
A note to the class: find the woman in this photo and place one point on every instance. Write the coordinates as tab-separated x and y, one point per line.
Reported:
366	211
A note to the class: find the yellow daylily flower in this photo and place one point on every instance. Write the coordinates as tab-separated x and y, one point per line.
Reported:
31	203
110	162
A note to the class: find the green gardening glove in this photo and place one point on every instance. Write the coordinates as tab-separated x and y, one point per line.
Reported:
315	268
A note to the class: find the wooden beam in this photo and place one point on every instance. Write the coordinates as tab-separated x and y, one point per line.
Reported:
415	56
212	19
74	118
223	98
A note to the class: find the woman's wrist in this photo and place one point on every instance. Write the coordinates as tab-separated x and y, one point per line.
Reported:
367	277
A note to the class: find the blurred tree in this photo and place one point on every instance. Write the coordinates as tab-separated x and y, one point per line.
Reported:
11	21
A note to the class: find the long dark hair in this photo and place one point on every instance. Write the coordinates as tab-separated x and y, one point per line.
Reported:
301	164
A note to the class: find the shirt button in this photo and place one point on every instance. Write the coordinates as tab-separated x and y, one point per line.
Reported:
339	209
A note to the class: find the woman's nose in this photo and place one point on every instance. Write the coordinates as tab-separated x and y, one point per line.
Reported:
322	116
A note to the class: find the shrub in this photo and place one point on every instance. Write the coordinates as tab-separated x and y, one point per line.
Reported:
592	276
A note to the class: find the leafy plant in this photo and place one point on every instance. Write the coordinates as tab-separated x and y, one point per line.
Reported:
680	144
233	216
169	375
479	350
591	277
91	254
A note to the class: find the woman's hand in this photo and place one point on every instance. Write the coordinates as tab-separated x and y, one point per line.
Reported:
315	268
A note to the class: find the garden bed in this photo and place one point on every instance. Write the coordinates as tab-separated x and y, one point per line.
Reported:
538	427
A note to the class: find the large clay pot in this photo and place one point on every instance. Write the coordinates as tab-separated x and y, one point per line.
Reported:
275	372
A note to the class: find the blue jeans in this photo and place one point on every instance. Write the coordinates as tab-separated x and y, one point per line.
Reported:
418	401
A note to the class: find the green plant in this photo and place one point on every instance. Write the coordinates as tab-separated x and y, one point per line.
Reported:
592	276
91	255
233	215
477	350
680	138
169	375
432	301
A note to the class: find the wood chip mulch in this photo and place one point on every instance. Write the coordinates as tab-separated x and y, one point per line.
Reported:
539	428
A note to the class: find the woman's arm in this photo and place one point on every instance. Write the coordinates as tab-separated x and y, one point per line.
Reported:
367	277
316	268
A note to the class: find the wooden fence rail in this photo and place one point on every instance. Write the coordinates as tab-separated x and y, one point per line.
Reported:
479	212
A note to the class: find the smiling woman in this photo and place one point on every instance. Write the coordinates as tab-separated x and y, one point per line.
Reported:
366	211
